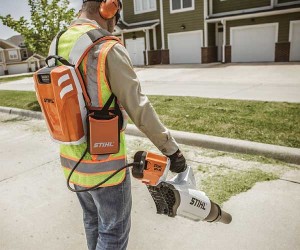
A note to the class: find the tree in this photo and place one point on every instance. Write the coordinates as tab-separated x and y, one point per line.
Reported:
47	18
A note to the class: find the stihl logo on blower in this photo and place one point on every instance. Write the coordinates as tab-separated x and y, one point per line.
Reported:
198	203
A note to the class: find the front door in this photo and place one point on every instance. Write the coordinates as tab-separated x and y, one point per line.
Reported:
220	43
32	66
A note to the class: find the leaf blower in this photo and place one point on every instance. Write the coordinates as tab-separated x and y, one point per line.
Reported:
179	195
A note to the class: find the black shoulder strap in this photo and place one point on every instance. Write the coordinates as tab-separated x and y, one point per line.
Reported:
108	103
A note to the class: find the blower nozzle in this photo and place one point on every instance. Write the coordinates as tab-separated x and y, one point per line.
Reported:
171	202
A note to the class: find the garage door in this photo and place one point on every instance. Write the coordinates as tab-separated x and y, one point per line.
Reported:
136	48
17	68
295	41
1	71
185	47
255	43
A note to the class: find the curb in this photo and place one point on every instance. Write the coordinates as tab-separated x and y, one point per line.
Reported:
286	154
16	75
22	112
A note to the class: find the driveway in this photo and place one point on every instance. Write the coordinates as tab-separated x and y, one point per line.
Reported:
264	82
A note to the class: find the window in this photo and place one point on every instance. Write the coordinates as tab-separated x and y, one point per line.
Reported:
182	5
24	54
142	6
12	54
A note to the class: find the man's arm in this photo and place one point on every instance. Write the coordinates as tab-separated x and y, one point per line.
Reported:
126	86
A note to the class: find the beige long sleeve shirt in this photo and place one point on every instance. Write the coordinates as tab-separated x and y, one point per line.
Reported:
126	87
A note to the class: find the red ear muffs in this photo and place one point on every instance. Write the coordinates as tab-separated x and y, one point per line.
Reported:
109	8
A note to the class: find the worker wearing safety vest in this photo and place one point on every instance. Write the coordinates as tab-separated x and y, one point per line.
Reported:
107	69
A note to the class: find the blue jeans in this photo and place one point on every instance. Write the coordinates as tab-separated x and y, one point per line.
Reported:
106	215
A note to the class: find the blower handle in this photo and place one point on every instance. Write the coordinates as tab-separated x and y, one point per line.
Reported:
138	169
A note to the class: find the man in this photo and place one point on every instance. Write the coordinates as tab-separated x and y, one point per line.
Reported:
107	69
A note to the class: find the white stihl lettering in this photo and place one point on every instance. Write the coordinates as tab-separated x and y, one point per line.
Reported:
103	144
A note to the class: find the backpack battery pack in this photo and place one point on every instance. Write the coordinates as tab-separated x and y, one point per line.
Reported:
60	96
70	117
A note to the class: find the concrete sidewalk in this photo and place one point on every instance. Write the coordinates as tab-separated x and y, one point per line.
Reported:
38	212
264	82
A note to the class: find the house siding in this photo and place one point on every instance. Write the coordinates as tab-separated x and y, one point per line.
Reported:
143	34
130	17
233	5
11	60
138	34
1	57
286	1
283	20
192	20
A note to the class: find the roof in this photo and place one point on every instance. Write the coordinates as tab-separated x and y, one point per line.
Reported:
16	40
7	45
35	57
123	27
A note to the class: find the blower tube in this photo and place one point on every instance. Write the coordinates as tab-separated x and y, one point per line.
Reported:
216	214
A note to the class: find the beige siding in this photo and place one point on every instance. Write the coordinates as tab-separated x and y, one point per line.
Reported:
130	17
283	20
192	20
11	60
233	5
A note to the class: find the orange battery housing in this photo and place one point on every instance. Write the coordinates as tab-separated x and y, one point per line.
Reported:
156	167
60	96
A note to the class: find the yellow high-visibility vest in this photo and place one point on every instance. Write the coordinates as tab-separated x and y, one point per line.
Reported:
92	169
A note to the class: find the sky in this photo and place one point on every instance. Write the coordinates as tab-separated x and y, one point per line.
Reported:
18	8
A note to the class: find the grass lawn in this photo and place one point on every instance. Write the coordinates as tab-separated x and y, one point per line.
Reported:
266	122
13	78
220	187
19	99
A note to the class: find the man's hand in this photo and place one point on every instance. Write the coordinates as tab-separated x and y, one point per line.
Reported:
178	162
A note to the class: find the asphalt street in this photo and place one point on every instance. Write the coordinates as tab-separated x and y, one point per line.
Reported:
263	82
38	212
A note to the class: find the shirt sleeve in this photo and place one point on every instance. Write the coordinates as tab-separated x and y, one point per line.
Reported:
126	86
